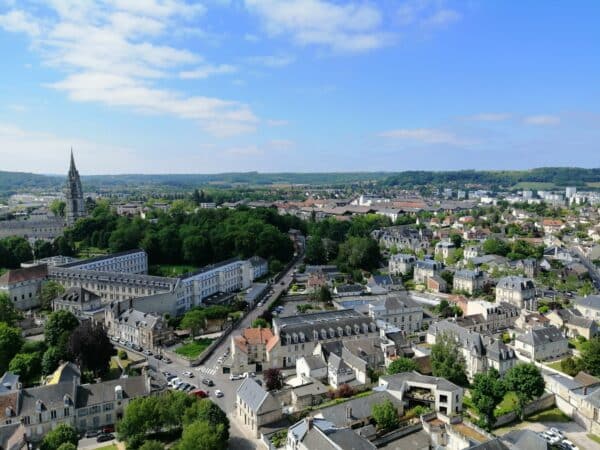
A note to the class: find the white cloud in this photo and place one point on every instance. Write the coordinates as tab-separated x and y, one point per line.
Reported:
110	54
426	136
17	21
207	71
426	13
490	117
542	120
272	60
351	27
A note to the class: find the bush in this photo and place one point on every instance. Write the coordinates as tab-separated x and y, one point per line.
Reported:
122	354
344	391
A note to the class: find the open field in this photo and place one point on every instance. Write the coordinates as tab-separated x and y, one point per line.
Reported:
193	348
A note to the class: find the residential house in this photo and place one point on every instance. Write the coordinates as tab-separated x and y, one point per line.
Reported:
573	323
348	290
529	266
589	306
426	269
401	263
541	344
319	434
399	310
471	251
444	250
312	366
517	291
249	350
469	281
146	330
256	407
495	316
22	286
436	284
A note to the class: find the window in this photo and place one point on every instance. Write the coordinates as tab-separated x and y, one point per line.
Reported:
67	412
26	420
53	414
108	407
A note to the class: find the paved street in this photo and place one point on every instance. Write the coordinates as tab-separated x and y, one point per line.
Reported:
594	273
240	439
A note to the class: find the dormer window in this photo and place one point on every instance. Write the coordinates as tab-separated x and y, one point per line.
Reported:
39	406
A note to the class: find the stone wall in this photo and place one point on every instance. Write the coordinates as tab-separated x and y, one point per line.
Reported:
544	402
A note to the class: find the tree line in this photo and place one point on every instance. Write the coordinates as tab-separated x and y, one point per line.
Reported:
199	238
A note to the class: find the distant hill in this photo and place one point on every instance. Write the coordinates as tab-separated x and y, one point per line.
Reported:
549	176
546	177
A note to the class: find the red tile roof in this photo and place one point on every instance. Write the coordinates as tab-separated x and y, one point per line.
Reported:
20	275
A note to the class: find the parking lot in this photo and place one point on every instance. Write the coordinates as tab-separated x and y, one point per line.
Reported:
571	430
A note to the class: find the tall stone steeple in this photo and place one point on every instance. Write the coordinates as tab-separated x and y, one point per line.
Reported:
74	193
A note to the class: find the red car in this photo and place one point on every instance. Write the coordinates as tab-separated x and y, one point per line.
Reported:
108	429
199	393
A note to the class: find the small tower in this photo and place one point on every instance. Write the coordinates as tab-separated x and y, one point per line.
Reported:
75	205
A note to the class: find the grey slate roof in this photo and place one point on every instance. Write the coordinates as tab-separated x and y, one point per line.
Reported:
468	339
543	335
51	397
254	395
466	274
315	362
77	295
515	283
94	394
358	409
525	440
591	301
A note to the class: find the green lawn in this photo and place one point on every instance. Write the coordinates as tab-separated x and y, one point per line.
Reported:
507	404
575	342
192	349
108	447
594	438
550	415
170	270
555	365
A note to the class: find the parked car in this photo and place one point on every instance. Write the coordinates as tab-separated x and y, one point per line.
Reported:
220	361
233	377
147	353
108	429
199	393
105	437
159	357
91	433
167	360
219	393
557	432
188	374
569	445
208	382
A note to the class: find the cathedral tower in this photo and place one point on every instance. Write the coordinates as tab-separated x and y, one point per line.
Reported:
75	205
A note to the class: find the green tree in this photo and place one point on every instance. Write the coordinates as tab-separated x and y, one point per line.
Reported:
206	411
152	445
315	251
8	313
590	356
495	246
571	366
59	324
359	253
527	382
487	391
260	322
60	435
10	343
67	446
401	365
447	360
385	415
194	320
52	358
58	207
28	366
50	290
201	435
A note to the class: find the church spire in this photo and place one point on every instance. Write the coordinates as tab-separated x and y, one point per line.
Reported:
72	166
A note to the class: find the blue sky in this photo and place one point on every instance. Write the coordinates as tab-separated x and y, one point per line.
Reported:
151	86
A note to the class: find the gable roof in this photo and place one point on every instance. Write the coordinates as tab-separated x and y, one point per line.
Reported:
591	301
26	274
256	397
